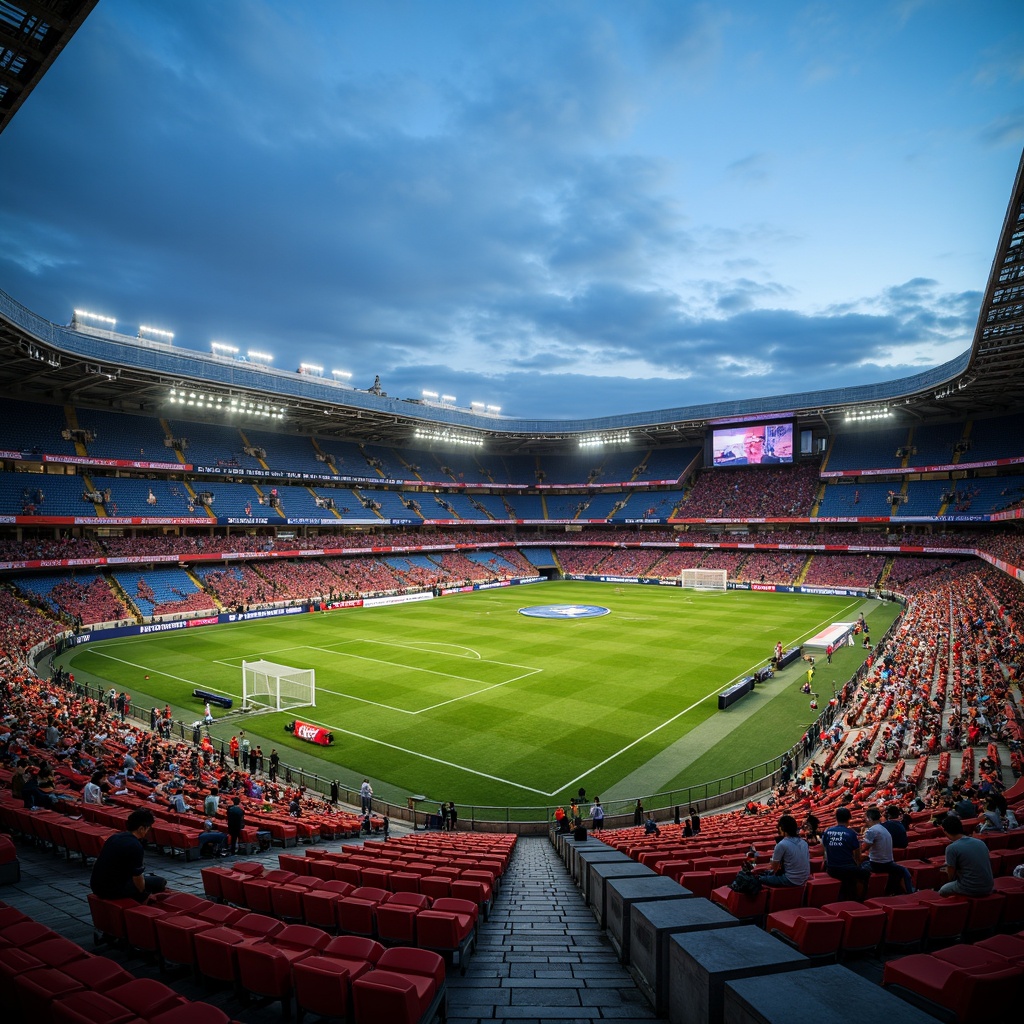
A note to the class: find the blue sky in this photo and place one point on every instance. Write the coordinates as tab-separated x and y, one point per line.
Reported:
562	208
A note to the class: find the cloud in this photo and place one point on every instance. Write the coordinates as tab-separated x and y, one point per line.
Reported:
523	205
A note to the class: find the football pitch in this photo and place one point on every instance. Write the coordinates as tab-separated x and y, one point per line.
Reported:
463	698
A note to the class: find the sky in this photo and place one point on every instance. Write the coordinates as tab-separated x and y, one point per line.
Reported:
565	209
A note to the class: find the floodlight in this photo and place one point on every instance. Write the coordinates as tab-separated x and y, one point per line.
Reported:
259	357
84	314
862	415
599	440
429	394
157	333
341	373
222	348
448	437
448	398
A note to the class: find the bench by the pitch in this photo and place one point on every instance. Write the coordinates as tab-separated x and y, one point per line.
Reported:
213	698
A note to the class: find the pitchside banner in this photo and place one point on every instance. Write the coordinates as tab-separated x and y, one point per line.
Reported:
313	733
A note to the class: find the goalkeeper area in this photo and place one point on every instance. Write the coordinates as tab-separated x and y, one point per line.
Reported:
703	579
269	686
463	698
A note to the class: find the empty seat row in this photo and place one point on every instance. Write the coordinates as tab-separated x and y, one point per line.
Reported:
47	978
981	982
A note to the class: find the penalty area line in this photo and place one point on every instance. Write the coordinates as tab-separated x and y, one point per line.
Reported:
158	672
427	757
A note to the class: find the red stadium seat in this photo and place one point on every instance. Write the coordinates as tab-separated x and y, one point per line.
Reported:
36	990
319	906
176	938
91	1008
813	931
979	994
446	932
1009	946
145	997
947	916
99	973
323	986
863	927
906	919
140	926
985	913
783	897
742	907
396	923
191	1013
395	998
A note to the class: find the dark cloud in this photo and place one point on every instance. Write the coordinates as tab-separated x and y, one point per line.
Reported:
482	210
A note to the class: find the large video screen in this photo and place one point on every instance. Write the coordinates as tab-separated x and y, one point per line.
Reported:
752	444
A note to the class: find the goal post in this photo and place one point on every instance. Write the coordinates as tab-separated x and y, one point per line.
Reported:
265	684
703	579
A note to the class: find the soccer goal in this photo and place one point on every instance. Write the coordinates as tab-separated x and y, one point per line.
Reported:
703	579
277	687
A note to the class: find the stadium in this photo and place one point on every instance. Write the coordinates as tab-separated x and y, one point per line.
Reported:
418	638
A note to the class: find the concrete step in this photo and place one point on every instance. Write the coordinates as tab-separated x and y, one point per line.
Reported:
542	956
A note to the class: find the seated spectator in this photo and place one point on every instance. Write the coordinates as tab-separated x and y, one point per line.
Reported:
211	842
967	862
991	820
651	826
120	868
877	844
177	801
92	791
791	859
843	856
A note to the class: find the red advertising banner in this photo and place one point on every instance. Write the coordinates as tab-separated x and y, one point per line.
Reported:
313	733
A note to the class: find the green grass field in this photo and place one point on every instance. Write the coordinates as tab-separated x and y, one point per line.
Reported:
463	698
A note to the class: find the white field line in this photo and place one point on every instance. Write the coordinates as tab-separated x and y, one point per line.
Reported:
159	672
427	757
329	649
695	704
495	778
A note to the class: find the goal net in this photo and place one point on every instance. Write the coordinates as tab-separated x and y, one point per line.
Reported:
269	685
703	579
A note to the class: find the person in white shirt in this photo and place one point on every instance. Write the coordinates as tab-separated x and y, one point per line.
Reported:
91	791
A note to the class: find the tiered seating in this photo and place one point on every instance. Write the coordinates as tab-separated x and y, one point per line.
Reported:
163	591
122	436
48	978
424	899
62	495
867	449
344	976
214	445
857	499
974	984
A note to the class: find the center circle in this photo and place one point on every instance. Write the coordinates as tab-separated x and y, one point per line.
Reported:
564	611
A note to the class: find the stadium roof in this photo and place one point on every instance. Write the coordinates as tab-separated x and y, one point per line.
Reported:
32	33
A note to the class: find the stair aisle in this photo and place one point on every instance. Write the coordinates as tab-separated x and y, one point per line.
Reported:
542	956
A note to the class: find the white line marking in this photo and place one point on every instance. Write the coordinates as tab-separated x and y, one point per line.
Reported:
695	704
428	757
158	672
531	671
